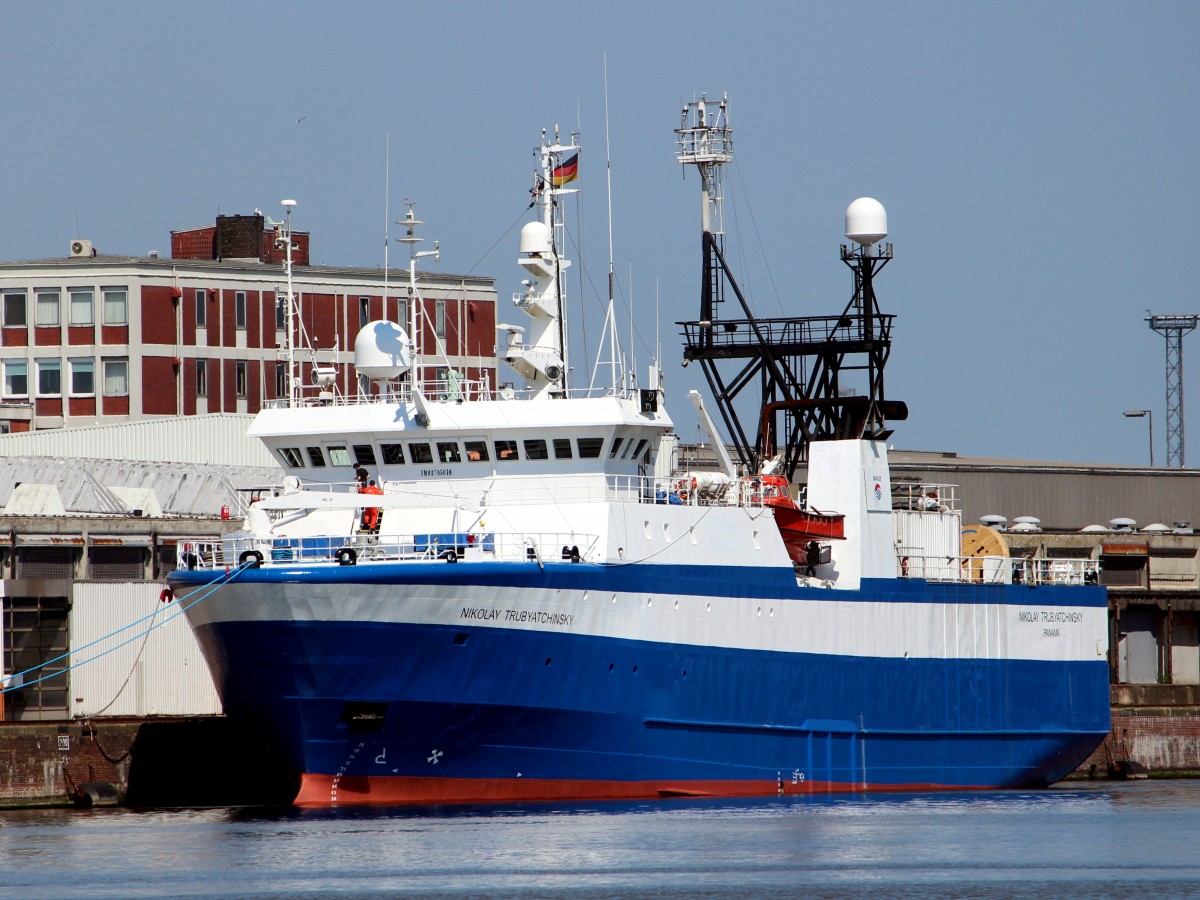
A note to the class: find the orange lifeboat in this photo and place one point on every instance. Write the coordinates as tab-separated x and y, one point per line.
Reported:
798	526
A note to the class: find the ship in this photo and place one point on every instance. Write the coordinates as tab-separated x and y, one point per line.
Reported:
542	600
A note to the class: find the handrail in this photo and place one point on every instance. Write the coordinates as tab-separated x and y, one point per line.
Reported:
328	549
997	569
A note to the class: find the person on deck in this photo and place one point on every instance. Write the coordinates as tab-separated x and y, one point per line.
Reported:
371	515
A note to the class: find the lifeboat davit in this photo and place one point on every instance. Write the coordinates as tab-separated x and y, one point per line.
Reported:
797	526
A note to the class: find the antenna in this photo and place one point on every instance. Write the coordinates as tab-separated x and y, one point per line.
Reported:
387	163
286	237
1173	328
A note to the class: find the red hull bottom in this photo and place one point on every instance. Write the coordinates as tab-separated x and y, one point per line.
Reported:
334	790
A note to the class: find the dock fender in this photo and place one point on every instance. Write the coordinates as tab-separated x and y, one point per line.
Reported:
347	557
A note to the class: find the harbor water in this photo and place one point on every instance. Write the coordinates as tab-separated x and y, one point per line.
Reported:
1075	840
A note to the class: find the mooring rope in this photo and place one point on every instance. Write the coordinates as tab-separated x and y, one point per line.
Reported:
208	588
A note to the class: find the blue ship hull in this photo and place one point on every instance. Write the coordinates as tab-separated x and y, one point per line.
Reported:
374	711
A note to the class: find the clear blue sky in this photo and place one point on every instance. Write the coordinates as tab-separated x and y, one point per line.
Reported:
1035	160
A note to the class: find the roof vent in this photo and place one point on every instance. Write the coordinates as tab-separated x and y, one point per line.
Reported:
1123	524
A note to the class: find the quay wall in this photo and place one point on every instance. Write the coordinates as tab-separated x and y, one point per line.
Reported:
158	762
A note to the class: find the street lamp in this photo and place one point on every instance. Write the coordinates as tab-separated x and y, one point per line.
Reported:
1138	414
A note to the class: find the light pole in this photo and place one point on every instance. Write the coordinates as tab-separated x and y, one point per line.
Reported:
1138	414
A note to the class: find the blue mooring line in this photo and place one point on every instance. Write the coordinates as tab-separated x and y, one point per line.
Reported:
215	585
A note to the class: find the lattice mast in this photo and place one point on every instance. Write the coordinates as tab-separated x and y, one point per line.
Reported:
1173	328
796	363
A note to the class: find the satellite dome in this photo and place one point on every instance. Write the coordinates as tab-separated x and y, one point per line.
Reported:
535	238
866	221
382	351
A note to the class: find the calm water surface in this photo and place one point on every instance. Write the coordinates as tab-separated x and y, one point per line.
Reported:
1136	839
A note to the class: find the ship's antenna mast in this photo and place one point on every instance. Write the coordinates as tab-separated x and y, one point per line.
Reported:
706	142
387	240
416	309
284	237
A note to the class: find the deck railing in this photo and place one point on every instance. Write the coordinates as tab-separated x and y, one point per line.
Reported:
536	547
998	569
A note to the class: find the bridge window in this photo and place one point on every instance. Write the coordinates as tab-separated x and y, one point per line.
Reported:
589	448
616	445
448	452
562	448
291	457
364	454
507	450
316	457
477	451
420	452
339	456
393	454
536	449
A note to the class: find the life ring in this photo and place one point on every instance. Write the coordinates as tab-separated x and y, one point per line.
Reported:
252	557
167	596
346	557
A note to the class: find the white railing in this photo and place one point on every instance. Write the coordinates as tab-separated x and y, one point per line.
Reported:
925	497
998	569
436	390
540	547
528	490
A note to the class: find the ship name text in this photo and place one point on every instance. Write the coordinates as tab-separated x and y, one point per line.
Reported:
517	616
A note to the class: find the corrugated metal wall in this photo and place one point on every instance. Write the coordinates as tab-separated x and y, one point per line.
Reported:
1068	497
161	674
217	439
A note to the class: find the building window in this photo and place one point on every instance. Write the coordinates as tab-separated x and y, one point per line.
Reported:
16	378
201	378
35	637
49	377
81	307
364	311
239	309
116	377
281	380
14	309
239	378
201	307
439	318
280	312
83	377
47	308
116	563
402	315
116	306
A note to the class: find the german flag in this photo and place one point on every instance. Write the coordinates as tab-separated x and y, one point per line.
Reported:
565	173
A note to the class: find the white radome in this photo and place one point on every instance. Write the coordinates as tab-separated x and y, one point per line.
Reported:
382	350
535	238
866	221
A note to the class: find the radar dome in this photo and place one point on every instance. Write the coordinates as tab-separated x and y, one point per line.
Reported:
866	221
535	238
382	351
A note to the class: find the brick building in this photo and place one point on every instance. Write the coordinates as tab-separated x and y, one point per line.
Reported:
91	338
